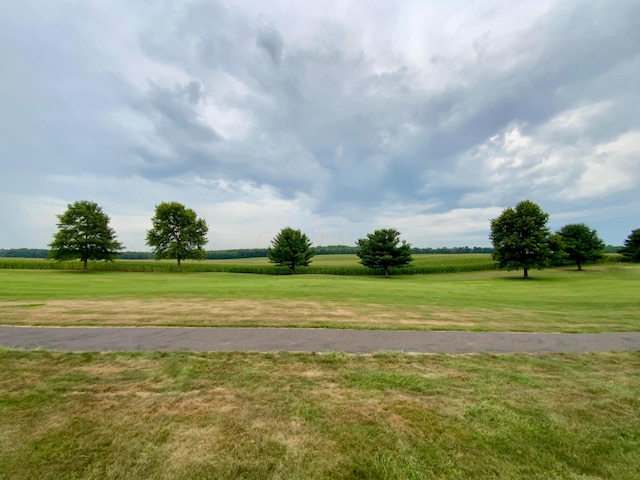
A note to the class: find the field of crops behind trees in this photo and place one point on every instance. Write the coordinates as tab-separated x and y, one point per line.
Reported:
323	264
339	264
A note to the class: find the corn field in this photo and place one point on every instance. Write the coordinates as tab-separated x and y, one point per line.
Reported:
449	264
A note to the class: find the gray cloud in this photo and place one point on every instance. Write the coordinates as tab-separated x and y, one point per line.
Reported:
270	39
469	110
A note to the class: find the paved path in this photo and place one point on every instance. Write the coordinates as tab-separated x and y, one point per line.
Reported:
307	340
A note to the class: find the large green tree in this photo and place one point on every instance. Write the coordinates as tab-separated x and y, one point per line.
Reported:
291	248
521	238
631	249
84	233
178	233
383	249
581	244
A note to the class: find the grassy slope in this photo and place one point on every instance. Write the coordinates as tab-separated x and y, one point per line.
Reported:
304	416
602	298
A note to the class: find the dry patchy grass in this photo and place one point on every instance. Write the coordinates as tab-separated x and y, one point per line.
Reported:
243	415
276	313
201	312
597	300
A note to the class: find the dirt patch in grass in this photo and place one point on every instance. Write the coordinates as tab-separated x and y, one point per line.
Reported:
292	313
222	313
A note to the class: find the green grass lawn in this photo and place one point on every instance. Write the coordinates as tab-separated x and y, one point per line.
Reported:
603	298
305	416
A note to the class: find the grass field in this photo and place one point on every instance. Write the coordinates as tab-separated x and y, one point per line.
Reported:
305	416
603	298
331	416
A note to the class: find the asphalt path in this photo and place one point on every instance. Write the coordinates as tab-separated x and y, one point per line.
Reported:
307	340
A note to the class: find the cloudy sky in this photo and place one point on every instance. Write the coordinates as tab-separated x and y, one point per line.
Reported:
336	117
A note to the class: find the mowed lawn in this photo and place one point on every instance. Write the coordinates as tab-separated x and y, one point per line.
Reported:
603	298
183	415
331	416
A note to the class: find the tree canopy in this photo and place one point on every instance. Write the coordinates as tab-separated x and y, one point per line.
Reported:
177	233
581	244
521	238
383	249
631	249
84	233
291	248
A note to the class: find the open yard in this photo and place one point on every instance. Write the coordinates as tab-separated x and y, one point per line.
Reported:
302	416
603	298
305	416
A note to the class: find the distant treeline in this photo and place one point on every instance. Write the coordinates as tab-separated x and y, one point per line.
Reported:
453	250
262	252
24	253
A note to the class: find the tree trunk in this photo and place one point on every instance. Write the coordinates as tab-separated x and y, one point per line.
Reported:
579	266
85	262
526	272
179	266
386	272
293	268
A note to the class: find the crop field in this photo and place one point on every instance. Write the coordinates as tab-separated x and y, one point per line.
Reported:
602	298
321	265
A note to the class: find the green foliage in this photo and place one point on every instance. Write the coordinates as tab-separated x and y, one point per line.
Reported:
239	253
24	253
452	250
557	257
177	233
631	250
291	248
383	249
84	234
335	249
581	244
521	238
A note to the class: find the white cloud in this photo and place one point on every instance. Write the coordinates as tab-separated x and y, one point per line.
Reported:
611	168
460	226
335	117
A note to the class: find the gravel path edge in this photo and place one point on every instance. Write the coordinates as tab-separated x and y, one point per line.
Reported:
307	340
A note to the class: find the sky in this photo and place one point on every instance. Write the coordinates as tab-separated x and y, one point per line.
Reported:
334	117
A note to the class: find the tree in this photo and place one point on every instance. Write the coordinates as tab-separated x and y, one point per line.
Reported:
581	244
383	249
84	233
558	256
631	249
177	233
291	248
521	238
